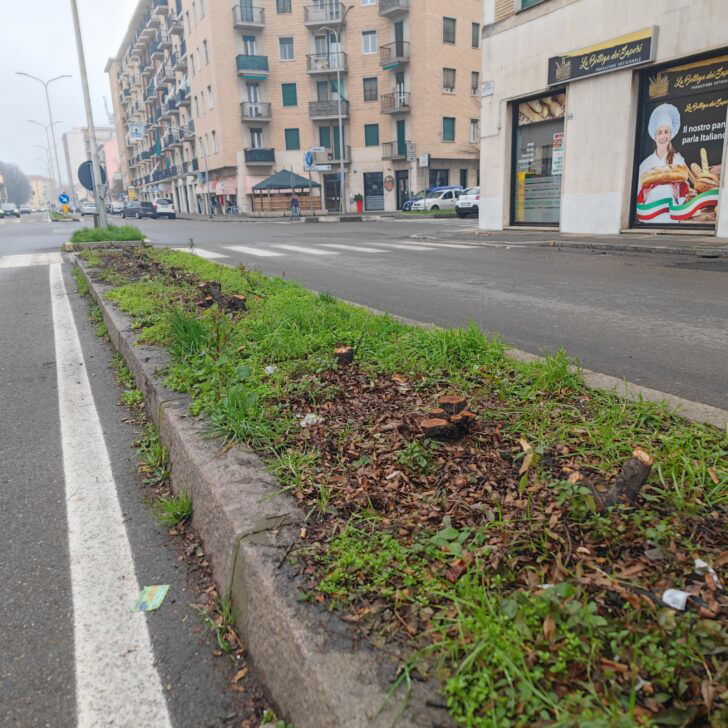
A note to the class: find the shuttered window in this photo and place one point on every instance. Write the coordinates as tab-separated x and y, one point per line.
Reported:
371	135
293	139
290	97
448	128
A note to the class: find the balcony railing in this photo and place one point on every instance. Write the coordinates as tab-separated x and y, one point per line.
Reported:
178	61
248	17
394	53
160	7
396	103
394	150
261	155
252	63
393	7
255	111
167	73
326	62
323	13
327	109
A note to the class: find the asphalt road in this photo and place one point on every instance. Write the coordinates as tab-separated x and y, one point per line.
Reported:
41	578
659	321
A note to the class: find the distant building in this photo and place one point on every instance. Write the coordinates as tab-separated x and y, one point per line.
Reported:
3	195
40	191
77	150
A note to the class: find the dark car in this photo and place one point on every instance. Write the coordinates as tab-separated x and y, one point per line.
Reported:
138	209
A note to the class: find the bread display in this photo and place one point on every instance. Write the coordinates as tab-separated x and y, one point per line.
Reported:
543	109
667	175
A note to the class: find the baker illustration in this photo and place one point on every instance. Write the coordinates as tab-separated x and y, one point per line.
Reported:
663	176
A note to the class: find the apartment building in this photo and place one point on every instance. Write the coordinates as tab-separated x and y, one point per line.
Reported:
40	191
601	116
258	84
77	150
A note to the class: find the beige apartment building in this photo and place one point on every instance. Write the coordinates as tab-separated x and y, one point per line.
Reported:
40	191
232	93
605	116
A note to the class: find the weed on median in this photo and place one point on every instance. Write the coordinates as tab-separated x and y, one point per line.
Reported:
112	233
483	558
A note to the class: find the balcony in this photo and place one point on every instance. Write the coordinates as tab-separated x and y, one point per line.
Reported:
195	165
160	7
393	8
178	61
394	54
183	97
248	18
167	73
261	157
174	25
170	106
255	111
253	67
394	150
155	50
332	156
326	62
327	109
396	103
327	12
165	40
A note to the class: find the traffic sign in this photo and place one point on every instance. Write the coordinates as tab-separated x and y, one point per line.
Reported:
136	132
63	198
320	168
308	160
318	150
86	176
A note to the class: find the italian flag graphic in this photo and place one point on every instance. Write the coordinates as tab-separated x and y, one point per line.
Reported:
679	213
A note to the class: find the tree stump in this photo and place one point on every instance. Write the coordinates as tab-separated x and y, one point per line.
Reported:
626	486
452	404
237	303
344	355
436	427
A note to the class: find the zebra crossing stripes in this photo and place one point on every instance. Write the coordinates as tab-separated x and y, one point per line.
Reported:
355	248
209	254
310	251
260	252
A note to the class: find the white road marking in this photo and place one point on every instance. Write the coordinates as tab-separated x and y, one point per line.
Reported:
310	251
204	253
29	259
116	681
355	248
407	246
455	245
253	251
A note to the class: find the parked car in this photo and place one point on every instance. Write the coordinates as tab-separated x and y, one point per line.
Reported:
467	203
88	208
138	209
25	210
434	201
165	206
2	214
424	193
116	207
10	209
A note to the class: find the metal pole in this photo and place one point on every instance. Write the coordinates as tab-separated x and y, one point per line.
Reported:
70	174
207	179
98	197
342	186
53	133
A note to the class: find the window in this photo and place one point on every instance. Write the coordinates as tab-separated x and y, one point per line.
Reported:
283	6
207	55
202	98
448	30
202	8
325	137
371	135
256	138
368	2
210	102
214	141
189	27
368	41
525	4
249	45
194	12
286	49
475	83
197	107
290	96
293	138
192	63
476	35
448	80
371	89
448	128
474	131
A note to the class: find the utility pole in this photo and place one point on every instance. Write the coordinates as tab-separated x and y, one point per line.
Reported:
70	171
98	195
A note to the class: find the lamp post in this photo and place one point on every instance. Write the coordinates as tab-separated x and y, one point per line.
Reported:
50	114
46	127
337	33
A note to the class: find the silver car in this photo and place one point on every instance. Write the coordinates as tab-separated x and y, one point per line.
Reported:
164	207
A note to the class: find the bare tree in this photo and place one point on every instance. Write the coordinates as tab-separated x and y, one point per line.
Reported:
17	187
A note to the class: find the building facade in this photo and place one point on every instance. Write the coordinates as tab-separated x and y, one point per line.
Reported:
257	85
40	191
77	150
600	116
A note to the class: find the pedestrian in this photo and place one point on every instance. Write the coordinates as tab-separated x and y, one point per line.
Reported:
295	207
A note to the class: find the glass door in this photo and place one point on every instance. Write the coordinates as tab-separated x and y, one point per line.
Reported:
253	92
401	139
373	191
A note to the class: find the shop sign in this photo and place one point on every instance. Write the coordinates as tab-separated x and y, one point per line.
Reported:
680	143
612	55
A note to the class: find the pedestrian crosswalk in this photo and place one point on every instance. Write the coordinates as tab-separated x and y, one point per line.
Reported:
29	259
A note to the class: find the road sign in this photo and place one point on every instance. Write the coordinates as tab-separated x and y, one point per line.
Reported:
320	168
64	199
136	132
411	151
318	150
86	176
308	160
424	160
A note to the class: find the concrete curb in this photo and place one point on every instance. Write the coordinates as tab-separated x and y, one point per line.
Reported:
701	252
69	247
316	669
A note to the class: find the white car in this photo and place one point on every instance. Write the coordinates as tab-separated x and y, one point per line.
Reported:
88	208
443	200
116	207
468	202
164	206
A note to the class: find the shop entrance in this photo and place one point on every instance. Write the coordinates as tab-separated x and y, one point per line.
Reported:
403	190
332	191
538	155
373	191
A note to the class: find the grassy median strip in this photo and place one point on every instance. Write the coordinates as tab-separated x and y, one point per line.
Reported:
484	557
112	233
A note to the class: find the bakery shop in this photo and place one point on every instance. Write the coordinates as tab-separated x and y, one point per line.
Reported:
602	116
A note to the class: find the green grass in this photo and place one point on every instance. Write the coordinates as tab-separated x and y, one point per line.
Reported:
59	216
173	510
153	456
82	285
110	233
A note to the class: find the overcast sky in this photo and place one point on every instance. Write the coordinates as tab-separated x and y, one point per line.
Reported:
36	36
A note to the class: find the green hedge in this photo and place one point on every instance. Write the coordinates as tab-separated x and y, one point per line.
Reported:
112	233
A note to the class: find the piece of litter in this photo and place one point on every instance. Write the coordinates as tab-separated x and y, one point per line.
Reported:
675	598
311	419
703	567
150	597
546	586
271	369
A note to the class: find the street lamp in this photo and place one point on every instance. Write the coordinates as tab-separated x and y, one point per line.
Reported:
50	115
337	33
46	127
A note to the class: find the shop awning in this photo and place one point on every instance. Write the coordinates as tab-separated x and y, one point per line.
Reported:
285	180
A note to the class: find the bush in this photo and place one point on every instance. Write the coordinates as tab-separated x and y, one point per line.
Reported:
111	233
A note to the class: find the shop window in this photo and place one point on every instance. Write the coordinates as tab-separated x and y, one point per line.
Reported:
373	191
680	137
290	95
371	135
293	138
448	30
448	128
538	155
439	177
371	89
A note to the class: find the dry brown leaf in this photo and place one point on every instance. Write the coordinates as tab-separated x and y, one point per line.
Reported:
525	444
526	464
615	666
707	690
631	571
713	473
240	674
549	629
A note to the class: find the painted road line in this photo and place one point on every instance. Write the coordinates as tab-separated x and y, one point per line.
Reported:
204	253
29	259
456	245
116	681
309	251
407	246
253	251
355	248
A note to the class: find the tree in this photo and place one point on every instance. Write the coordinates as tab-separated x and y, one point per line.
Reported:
17	187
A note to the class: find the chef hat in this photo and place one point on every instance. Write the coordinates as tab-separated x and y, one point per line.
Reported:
664	115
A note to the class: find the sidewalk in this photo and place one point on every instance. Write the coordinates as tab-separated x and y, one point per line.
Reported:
704	246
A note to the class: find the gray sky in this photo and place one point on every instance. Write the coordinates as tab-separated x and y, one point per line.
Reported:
37	37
